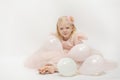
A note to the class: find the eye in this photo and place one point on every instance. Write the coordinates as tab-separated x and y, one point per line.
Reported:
61	28
67	28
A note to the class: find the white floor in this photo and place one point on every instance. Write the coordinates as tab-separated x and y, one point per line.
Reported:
12	68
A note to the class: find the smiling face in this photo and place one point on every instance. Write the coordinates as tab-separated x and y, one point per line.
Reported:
65	31
65	27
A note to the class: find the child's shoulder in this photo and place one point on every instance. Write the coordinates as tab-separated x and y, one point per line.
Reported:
75	34
79	35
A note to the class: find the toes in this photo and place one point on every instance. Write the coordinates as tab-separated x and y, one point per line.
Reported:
47	69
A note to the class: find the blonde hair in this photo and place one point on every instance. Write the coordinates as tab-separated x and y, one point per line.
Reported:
68	20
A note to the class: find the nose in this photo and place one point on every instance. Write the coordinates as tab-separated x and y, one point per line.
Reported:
64	30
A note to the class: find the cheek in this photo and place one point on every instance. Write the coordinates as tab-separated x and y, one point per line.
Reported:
71	30
60	31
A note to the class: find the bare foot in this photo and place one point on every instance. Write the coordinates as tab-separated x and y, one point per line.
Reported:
42	70
47	69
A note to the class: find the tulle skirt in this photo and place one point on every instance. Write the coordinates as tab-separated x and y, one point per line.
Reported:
88	60
41	58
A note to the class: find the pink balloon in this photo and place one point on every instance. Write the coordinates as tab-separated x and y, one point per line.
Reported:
80	52
52	43
93	65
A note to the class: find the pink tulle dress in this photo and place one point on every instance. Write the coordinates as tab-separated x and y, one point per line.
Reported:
54	49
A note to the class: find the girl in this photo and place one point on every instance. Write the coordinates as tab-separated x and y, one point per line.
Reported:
45	61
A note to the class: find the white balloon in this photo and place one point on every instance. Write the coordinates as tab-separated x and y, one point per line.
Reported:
52	44
94	65
80	52
67	67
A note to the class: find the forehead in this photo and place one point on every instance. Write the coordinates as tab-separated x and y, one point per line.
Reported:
63	22
64	25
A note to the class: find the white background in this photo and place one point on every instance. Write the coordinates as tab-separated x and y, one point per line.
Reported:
24	24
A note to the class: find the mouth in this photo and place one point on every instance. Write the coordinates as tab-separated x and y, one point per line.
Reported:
64	33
